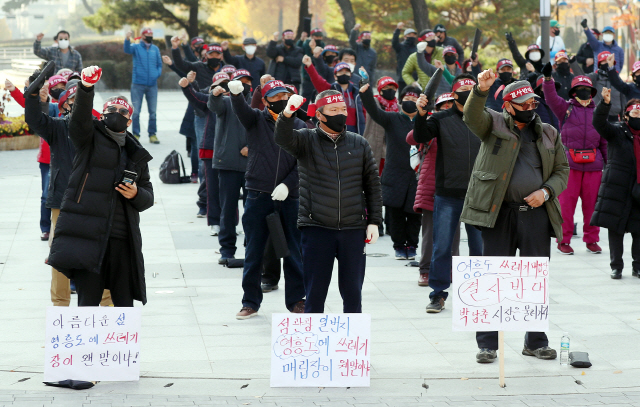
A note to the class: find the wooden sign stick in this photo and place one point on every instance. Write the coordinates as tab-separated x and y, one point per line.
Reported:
501	357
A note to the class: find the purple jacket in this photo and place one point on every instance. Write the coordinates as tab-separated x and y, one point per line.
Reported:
578	131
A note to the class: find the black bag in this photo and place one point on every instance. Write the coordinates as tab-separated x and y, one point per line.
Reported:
170	169
276	233
579	359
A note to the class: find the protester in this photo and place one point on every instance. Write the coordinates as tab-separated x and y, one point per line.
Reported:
505	78
445	41
456	153
585	55
62	55
194	51
608	43
325	59
586	153
426	49
398	181
110	256
556	44
205	69
336	219
450	69
286	59
543	110
600	79
403	50
248	61
618	207
473	67
373	132
563	76
531	63
366	56
147	68
518	211
630	90
343	84
308	45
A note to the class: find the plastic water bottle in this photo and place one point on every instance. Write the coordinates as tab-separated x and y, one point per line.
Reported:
565	343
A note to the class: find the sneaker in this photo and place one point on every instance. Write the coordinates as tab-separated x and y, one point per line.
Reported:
194	178
267	288
541	353
215	230
616	274
486	355
593	248
246	313
137	136
202	213
44	236
411	253
436	305
565	248
298	308
153	139
401	254
423	280
224	260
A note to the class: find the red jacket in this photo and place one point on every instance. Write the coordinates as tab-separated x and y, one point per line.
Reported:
427	181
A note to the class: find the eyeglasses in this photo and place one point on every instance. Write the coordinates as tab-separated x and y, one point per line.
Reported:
527	106
113	109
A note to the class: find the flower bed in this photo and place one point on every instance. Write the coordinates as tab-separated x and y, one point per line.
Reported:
14	134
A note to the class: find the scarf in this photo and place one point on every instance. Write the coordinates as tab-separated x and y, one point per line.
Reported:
388	105
636	150
119	138
274	115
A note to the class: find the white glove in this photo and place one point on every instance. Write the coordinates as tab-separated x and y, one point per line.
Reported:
91	75
295	101
280	193
236	87
421	46
372	234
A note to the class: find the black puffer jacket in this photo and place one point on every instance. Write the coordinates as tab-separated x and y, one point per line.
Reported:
287	71
339	181
86	216
55	131
616	209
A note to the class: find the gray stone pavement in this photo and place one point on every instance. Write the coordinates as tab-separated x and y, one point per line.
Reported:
196	353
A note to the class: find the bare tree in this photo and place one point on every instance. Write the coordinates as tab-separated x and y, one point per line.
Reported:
420	14
348	15
302	13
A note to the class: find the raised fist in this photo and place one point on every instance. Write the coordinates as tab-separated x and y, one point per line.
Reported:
312	43
304	36
583	23
509	36
175	42
530	67
547	70
364	88
129	34
39	37
91	75
224	45
438	64
44	92
191	76
611	59
183	82
295	101
306	60
276	36
317	51
486	79
280	58
357	27
422	104
167	60
606	95
400	26
265	78
236	87
8	85
218	90
421	46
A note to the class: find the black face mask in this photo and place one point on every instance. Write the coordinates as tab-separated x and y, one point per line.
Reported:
336	123
563	67
320	43
539	92
410	41
556	31
148	40
198	51
463	96
67	111
450	59
603	68
366	43
506	77
409	106
328	59
343	79
431	44
278	106
636	80
115	122
288	42
583	94
55	93
523	116
213	62
634	123
246	89
388	94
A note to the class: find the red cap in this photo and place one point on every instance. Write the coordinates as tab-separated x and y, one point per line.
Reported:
55	80
602	57
241	73
636	67
272	86
316	31
291	88
327	100
449	50
67	95
219	77
214	48
384	81
560	55
504	62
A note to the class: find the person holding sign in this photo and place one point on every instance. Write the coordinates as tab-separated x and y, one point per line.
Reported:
97	238
513	195
340	198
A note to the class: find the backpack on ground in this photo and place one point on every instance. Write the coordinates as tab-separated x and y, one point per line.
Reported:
170	169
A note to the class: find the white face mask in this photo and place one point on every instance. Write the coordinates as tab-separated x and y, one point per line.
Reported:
250	49
607	37
534	56
351	66
63	44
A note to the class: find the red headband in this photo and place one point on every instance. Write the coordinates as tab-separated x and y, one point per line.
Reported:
327	100
461	83
525	90
633	107
118	102
414	94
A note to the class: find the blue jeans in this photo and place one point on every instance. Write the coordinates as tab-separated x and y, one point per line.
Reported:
446	215
256	209
45	213
230	183
137	93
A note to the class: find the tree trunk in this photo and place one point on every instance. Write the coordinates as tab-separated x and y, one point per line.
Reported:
86	5
347	14
420	14
302	13
193	30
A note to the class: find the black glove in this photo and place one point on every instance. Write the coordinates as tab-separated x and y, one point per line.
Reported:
32	78
583	23
509	37
547	70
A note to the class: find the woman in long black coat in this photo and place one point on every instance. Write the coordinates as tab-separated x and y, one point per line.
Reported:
618	207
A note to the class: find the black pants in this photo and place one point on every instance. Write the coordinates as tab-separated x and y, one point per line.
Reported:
116	275
229	185
616	247
403	227
270	265
527	231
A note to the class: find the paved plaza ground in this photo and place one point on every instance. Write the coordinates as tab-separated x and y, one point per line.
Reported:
194	351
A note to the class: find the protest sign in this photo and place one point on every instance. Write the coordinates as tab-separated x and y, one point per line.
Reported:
320	350
500	293
92	344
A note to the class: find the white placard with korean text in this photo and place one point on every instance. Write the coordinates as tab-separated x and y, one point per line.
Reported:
500	293
92	344
321	350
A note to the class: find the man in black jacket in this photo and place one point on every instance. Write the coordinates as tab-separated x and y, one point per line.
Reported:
532	60
273	185
248	61
444	40
457	151
403	49
97	238
585	56
286	59
335	218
